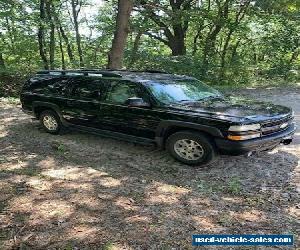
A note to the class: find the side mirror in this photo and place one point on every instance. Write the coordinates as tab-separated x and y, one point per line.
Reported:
137	102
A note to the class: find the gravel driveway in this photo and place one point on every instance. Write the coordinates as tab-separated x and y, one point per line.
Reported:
81	191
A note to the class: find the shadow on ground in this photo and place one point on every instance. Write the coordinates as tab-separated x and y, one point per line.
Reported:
80	191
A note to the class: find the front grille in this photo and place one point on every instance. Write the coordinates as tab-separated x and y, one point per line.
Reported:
275	126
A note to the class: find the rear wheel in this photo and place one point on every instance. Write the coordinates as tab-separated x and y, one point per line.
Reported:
50	122
192	148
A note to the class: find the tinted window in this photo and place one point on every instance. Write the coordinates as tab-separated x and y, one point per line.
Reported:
168	91
58	87
121	91
87	89
49	86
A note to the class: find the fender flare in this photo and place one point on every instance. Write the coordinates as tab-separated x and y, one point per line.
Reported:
50	105
165	125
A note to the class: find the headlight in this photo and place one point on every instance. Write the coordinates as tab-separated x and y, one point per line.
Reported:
243	128
244	132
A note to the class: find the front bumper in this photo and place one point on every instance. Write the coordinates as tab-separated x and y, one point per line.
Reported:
226	146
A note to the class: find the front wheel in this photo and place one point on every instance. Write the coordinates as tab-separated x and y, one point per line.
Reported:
50	122
191	148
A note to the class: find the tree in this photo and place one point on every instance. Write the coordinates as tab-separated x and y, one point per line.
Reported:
172	22
41	35
62	36
216	27
115	56
76	7
231	29
49	11
214	40
2	63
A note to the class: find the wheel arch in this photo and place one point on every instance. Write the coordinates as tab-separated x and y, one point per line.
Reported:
167	128
38	107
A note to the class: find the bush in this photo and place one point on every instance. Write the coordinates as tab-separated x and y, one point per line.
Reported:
11	83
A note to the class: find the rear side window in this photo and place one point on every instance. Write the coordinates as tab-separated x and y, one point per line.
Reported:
48	86
86	89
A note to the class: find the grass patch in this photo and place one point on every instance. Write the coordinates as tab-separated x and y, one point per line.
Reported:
209	187
225	220
109	246
62	149
234	186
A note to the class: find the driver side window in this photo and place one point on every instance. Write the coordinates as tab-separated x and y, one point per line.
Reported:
120	93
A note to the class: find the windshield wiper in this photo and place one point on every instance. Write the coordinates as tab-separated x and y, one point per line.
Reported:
186	101
212	97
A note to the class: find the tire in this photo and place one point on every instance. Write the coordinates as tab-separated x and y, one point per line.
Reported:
50	122
191	148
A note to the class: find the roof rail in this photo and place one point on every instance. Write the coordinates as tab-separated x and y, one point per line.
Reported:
155	71
139	71
84	72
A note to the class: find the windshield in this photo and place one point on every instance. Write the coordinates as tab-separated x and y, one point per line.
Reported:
171	91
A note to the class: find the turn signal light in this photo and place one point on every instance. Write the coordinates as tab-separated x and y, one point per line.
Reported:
243	137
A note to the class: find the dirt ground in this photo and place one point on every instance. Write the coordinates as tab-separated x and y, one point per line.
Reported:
81	191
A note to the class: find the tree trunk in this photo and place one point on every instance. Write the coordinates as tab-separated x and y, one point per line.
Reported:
210	45
116	54
177	42
41	34
234	52
2	63
69	47
76	5
61	32
214	31
180	25
239	16
195	40
135	48
10	34
63	62
223	54
52	47
52	34
295	52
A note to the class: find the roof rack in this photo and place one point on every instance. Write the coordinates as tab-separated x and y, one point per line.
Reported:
155	71
82	72
139	71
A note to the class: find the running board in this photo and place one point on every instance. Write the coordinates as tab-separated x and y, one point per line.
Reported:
114	135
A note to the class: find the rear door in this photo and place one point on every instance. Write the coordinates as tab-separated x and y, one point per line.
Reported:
83	103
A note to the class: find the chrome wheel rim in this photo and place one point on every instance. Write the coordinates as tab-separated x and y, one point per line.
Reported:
50	122
189	149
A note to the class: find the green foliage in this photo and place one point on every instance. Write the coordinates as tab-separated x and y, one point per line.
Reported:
264	45
62	149
109	246
11	83
234	186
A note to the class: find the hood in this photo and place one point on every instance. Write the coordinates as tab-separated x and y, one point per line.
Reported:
235	109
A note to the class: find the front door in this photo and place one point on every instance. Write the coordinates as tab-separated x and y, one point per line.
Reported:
117	116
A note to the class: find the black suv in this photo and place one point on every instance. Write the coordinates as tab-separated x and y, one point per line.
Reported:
193	121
